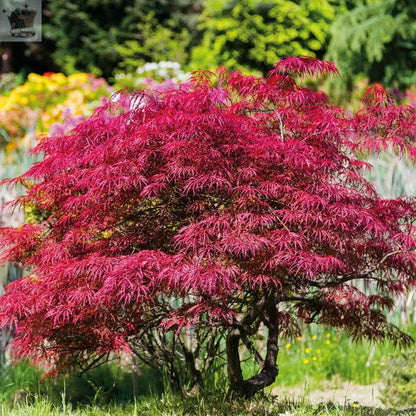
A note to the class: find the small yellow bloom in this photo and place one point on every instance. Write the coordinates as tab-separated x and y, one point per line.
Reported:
78	79
298	338
35	78
314	337
76	97
328	335
327	342
314	358
11	146
334	339
318	351
287	346
58	78
308	350
306	361
355	404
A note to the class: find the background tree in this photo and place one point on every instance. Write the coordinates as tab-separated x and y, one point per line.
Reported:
377	39
255	34
230	206
95	36
159	30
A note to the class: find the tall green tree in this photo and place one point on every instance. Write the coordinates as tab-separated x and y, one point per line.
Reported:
159	30
377	39
255	34
97	36
84	33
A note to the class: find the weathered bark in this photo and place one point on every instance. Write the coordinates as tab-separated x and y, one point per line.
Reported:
195	374
247	388
235	374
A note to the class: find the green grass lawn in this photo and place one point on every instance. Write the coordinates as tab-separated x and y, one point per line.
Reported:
307	361
173	405
321	354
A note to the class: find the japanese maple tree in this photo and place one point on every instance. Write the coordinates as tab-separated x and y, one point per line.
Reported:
232	205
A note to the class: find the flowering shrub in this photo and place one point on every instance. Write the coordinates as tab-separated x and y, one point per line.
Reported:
31	109
159	76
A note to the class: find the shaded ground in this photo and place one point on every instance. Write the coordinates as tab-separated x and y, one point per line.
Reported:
343	393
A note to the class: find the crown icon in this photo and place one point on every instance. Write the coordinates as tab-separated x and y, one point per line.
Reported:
21	19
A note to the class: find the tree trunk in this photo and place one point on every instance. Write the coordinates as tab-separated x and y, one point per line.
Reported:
235	374
247	388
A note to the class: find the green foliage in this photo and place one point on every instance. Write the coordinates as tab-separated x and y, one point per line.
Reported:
400	380
255	34
392	174
8	82
103	385
159	31
322	354
97	36
107	390
377	38
17	381
84	34
176	405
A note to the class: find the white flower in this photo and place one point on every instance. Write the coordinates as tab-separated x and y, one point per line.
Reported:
162	72
150	66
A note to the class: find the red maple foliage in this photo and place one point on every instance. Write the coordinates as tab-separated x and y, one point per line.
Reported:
234	203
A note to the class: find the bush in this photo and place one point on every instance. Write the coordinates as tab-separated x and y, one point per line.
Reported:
400	380
35	108
106	384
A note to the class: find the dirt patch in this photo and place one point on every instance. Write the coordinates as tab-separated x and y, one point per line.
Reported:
344	394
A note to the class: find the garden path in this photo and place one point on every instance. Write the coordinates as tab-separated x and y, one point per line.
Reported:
343	393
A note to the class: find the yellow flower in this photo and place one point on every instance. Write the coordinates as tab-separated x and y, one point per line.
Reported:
355	404
334	339
3	102
56	111
327	342
76	97
308	350
78	79
298	338
287	346
314	337
35	78
59	78
318	351
306	361
314	358
11	146
328	335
